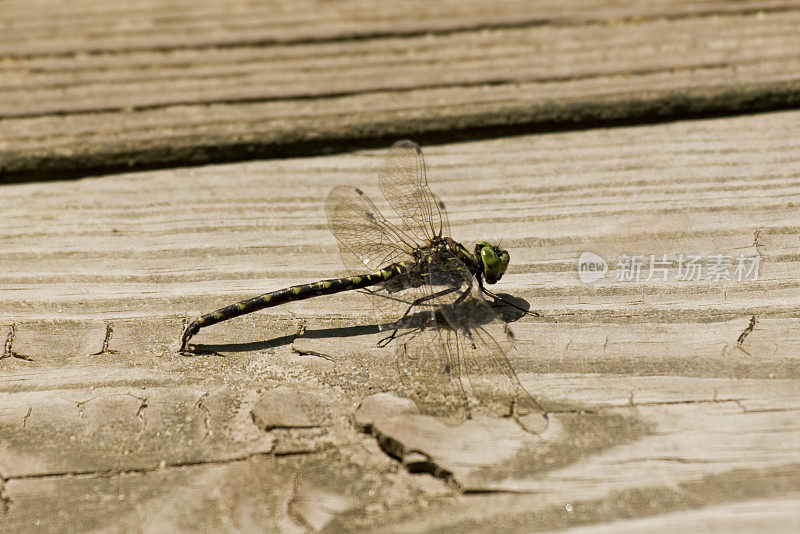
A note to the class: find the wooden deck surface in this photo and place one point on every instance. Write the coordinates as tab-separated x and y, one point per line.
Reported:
672	405
87	87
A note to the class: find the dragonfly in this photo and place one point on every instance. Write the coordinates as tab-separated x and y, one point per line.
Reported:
452	347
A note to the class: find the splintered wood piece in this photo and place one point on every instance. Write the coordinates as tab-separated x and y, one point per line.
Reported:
381	406
463	454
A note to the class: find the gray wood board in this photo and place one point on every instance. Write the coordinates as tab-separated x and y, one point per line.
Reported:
661	397
160	84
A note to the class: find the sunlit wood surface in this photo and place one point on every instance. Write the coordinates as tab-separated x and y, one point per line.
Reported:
672	405
90	87
656	406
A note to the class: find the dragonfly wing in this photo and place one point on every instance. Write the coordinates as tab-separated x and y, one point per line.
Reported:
431	376
367	241
484	342
405	186
480	342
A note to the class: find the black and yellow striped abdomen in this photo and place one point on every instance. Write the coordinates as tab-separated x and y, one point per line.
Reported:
290	294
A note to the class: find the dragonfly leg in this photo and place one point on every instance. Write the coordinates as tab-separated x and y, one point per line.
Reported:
461	297
385	341
498	298
187	334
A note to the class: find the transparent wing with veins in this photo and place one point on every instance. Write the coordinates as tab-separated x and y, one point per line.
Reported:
404	184
367	240
459	360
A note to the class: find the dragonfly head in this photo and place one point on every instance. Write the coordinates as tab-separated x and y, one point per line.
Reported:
493	259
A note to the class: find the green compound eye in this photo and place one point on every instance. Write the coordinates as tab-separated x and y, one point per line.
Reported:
495	261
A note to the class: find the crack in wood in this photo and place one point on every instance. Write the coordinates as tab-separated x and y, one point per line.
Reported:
578	411
747	410
418	462
8	346
198	405
749	328
106	339
756	244
27	416
140	411
5	500
670	403
307	352
110	473
676	459
8	351
310	352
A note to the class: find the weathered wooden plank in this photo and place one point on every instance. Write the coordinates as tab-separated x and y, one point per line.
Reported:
688	437
233	230
774	515
253	492
54	27
504	56
197	101
48	432
667	400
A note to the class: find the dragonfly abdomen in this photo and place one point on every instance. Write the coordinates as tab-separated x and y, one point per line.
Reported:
291	294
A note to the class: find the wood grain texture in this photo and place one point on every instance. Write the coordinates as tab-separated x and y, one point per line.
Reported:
93	88
662	407
48	27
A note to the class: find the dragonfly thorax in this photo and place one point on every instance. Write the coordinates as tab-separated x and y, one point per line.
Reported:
493	261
